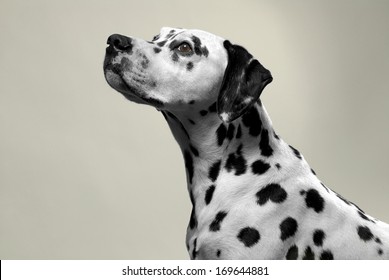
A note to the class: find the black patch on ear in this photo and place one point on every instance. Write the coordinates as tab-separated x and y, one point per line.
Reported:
244	80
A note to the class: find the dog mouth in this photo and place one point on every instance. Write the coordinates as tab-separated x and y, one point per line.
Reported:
132	91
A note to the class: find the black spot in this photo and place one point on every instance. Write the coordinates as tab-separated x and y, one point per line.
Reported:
252	120
192	102
205	51
214	171
221	133
191	122
194	252
178	121
157	50
343	199
197	46
189	66
215	225
161	44
326	255
236	161
218	252
156	37
356	206
325	187
380	252
230	131
175	57
264	144
309	255
378	241
314	200
173	44
273	192
276	136
259	167
288	228
249	236
313	171
212	108
296	152
239	132
365	233
318	237
170	34
278	166
363	216
292	253
189	165
193	218
203	112
195	152
209	194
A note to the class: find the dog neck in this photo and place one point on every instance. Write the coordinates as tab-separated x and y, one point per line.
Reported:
214	150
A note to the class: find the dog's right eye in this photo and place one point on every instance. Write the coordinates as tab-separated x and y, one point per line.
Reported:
184	48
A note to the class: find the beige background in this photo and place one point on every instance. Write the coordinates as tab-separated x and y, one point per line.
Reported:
84	174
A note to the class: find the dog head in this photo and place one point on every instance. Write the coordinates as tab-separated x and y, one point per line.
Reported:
184	69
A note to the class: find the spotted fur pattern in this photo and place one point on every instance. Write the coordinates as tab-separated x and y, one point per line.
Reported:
253	195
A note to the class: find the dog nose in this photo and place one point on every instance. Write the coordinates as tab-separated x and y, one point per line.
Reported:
120	42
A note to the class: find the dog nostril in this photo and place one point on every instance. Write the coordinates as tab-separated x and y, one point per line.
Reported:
120	42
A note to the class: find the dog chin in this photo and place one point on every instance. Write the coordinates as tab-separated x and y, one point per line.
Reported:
116	82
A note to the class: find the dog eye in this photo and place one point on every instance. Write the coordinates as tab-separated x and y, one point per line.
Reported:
184	48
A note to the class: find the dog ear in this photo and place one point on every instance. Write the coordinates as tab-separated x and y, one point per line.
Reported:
244	80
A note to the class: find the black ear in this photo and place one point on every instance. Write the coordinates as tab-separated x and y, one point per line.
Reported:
244	79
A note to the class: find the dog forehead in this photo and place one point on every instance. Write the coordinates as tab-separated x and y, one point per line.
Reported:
168	32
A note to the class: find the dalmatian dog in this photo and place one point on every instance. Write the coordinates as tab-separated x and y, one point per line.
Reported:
253	195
